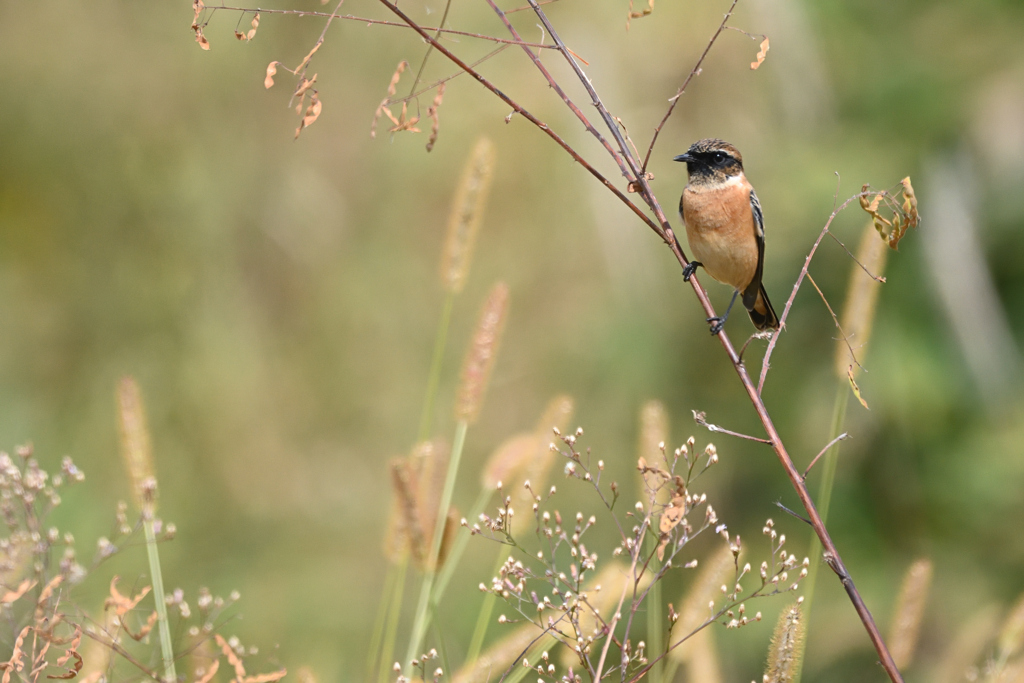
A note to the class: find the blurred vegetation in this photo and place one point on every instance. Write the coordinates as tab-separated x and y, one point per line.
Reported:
278	299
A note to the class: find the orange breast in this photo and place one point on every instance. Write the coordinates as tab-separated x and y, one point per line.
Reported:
720	230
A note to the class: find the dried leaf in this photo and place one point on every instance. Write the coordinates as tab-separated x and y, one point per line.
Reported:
304	85
642	13
123	604
266	678
201	39
904	217
233	659
761	54
255	25
305	60
24	587
73	671
268	82
15	663
197	9
45	595
670	519
856	389
312	113
210	672
382	108
432	113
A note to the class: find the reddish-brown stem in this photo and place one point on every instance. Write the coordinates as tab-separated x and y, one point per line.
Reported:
693	72
822	452
831	554
561	93
765	365
517	108
382	22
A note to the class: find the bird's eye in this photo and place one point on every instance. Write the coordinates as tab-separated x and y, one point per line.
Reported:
719	157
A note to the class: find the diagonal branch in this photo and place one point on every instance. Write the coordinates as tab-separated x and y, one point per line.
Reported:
693	72
831	554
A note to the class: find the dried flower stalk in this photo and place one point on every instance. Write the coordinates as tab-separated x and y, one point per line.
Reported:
786	649
909	611
467	212
136	447
483	350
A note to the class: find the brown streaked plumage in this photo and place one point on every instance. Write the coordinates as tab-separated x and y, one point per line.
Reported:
725	227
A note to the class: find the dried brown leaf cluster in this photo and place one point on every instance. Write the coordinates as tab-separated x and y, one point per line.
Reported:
761	54
251	33
197	9
904	215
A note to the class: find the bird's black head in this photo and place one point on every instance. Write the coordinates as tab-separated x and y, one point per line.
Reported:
712	161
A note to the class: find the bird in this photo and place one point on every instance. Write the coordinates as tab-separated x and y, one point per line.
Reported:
725	228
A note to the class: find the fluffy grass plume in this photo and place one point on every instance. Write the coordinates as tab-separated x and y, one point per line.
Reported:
467	212
718	569
493	662
786	649
483	350
909	610
136	448
861	302
702	665
1011	635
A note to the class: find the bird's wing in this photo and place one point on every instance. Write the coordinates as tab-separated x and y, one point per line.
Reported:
750	293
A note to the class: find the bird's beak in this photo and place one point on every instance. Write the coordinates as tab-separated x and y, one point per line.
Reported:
684	157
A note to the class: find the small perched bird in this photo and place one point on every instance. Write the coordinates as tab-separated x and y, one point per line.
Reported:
725	228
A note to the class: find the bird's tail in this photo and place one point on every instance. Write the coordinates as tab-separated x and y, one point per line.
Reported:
762	314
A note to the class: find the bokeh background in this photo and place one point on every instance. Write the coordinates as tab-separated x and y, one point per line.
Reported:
278	299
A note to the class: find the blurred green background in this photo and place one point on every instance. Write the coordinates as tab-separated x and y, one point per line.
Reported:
278	299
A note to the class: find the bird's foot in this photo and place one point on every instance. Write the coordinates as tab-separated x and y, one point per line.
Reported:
716	325
689	269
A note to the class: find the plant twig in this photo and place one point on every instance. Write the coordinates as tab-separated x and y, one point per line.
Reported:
693	72
823	451
699	418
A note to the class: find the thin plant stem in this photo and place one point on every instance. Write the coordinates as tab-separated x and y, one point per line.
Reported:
455	554
828	478
484	618
394	614
422	619
656	643
434	380
380	621
166	648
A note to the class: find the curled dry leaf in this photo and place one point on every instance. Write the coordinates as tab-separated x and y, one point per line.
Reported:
856	389
305	60
432	113
45	595
251	33
670	519
229	652
211	671
24	587
304	85
312	113
382	108
904	217
197	9
266	678
15	663
762	53
201	39
121	603
268	82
